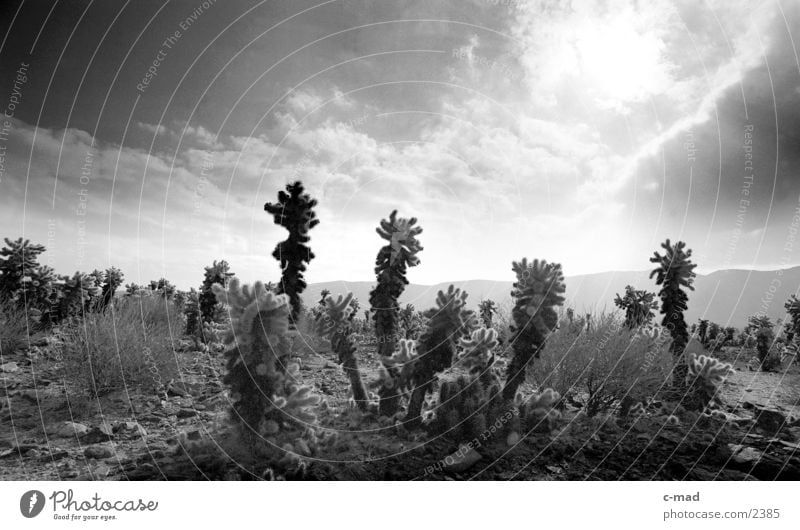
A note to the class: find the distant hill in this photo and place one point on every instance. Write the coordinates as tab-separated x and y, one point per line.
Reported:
727	297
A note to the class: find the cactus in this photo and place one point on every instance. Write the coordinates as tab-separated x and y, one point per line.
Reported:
336	325
792	307
191	310
112	279
674	272
702	330
449	321
162	287
23	281
638	306
218	272
487	309
395	372
72	295
466	405
295	212
539	412
391	265
264	390
538	290
704	379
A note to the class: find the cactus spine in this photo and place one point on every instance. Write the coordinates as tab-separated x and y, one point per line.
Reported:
391	265
336	325
674	272
538	290
295	212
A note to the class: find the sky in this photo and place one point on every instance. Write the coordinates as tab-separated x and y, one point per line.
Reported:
148	135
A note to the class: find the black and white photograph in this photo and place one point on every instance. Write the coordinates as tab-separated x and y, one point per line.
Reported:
407	241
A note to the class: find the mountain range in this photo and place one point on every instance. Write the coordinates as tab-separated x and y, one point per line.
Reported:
727	297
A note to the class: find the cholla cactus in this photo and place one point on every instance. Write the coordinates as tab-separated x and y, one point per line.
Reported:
674	272
264	387
219	272
295	212
395	372
539	412
538	290
191	310
477	352
112	280
467	405
704	380
487	309
391	265
638	306
336	325
449	321
72	296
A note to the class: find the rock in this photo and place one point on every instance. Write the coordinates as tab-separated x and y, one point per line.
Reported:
53	455
33	453
70	428
174	390
31	396
131	427
186	413
461	460
745	455
9	368
98	451
100	433
770	420
513	438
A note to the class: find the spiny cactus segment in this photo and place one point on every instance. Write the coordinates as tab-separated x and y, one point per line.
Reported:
335	323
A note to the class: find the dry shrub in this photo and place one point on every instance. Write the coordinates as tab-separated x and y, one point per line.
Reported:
13	328
131	343
605	366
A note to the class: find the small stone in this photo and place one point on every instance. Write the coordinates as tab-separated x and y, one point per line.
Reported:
175	391
70	429
745	455
101	433
9	368
461	460
98	452
186	413
513	438
131	427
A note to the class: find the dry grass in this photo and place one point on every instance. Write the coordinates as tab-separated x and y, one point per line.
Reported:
13	329
131	343
604	366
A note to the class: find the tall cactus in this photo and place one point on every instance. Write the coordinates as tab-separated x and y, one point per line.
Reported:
638	306
449	321
538	290
112	280
675	271
266	395
336	324
295	212
391	265
219	272
487	309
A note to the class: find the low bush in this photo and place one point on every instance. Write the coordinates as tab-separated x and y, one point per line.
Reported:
13	328
604	366
130	343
